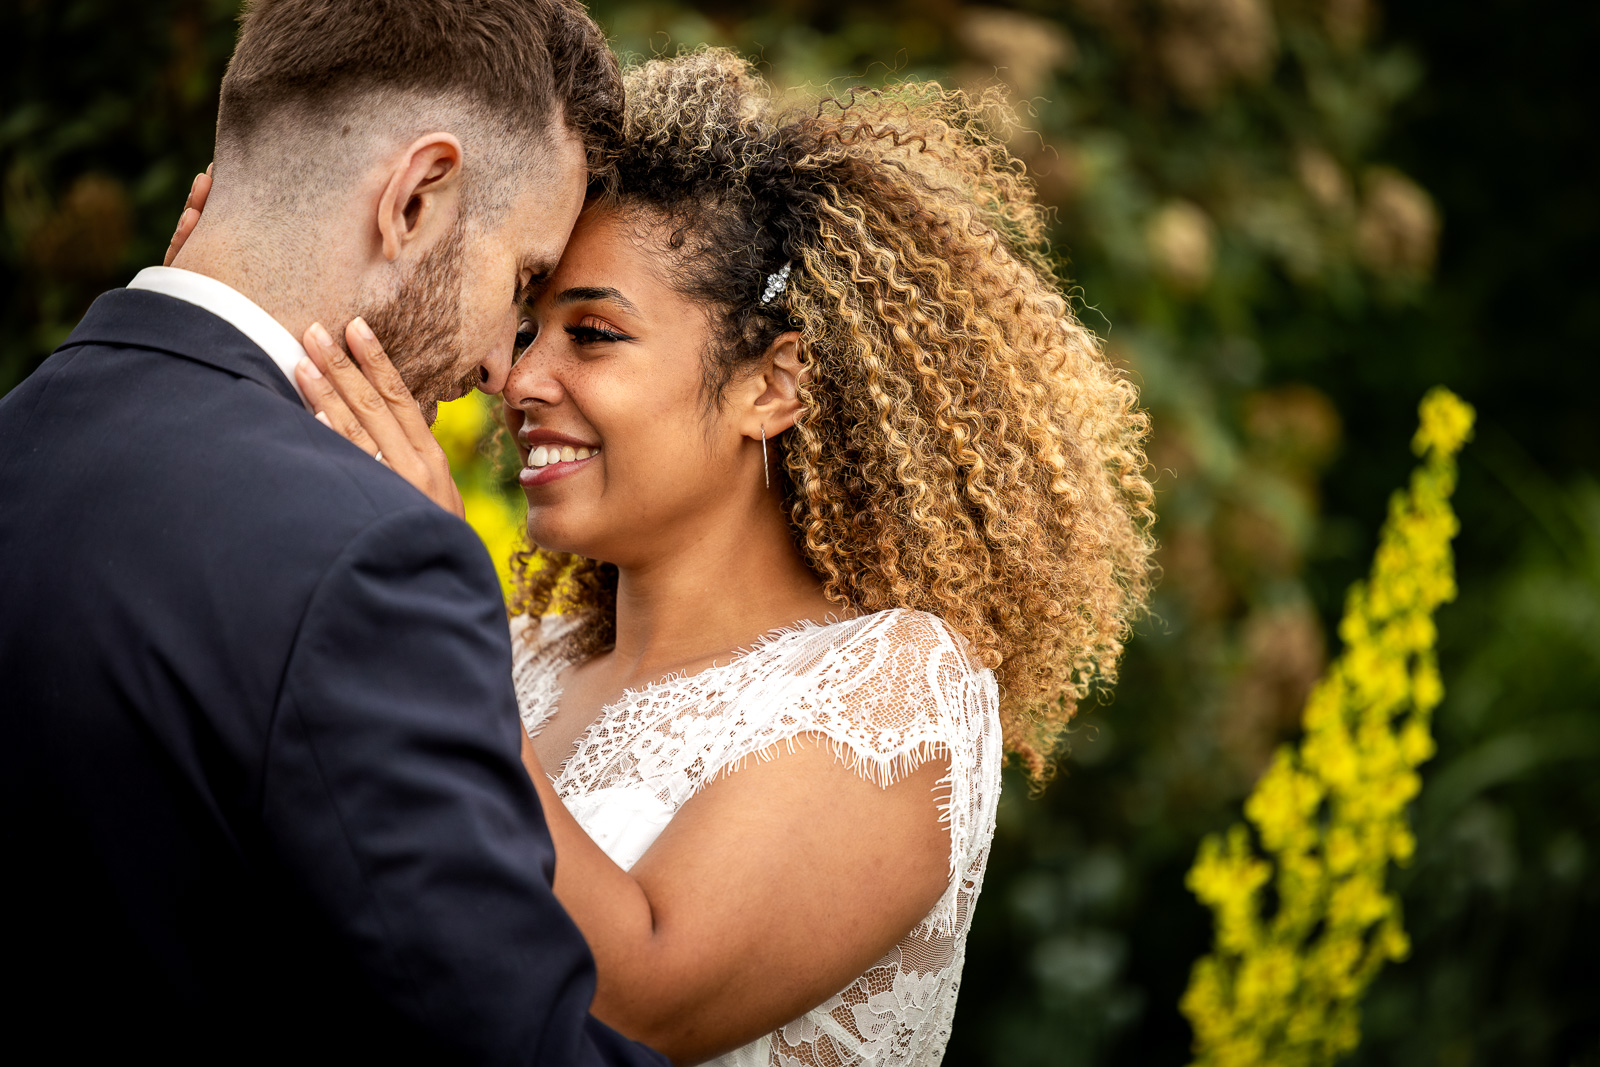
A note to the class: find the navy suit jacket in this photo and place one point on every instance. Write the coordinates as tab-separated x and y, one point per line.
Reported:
258	739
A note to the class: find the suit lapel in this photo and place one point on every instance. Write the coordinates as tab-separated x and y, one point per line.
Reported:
138	318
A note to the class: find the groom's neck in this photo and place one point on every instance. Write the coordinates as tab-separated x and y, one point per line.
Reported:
296	280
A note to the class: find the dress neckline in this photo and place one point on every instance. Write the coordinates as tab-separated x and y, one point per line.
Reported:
738	656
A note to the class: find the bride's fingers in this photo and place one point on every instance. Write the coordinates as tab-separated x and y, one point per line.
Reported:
330	409
199	190
360	411
186	224
366	350
362	400
355	407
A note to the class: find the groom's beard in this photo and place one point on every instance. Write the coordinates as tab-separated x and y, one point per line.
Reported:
420	327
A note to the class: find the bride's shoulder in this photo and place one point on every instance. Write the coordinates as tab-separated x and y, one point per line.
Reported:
906	637
890	661
887	690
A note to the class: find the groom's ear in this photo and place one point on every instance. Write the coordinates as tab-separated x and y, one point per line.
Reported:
422	195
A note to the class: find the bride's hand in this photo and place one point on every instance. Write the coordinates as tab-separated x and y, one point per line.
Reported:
365	400
199	189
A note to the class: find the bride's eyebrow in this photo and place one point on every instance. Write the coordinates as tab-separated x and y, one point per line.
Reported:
594	292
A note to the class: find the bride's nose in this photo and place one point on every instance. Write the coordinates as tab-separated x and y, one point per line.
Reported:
530	381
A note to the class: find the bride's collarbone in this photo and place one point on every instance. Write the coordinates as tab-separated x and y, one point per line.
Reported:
587	690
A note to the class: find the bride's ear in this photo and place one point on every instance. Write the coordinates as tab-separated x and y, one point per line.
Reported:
775	387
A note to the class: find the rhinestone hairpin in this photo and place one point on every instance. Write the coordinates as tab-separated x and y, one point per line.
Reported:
777	284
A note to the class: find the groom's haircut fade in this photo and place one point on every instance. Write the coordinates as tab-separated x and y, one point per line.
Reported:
311	82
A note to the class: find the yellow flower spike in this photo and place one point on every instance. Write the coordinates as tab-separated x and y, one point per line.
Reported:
1342	849
1446	423
1402	845
1330	812
499	523
1426	686
1416	742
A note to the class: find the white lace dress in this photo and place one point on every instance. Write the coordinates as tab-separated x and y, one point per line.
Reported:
888	691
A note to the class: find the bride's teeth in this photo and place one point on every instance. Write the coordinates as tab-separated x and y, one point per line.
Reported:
545	455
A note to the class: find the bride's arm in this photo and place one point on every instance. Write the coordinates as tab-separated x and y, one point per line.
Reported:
767	893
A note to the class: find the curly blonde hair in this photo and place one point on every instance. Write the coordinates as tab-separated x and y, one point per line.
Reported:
964	448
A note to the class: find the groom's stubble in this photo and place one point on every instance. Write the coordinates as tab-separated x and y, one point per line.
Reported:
420	326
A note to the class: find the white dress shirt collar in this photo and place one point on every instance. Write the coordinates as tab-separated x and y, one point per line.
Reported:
231	306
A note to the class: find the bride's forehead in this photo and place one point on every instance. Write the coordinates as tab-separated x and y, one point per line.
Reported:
608	244
605	229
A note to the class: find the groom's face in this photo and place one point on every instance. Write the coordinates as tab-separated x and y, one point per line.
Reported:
449	326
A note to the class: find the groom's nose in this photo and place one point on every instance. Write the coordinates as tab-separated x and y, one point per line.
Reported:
494	371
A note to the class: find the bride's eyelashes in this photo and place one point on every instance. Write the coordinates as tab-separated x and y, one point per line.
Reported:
594	331
590	331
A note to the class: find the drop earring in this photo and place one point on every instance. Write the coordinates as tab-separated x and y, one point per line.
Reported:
764	475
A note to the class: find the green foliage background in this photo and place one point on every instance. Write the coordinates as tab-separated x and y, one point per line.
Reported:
1289	218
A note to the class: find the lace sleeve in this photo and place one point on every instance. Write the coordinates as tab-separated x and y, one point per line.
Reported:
897	691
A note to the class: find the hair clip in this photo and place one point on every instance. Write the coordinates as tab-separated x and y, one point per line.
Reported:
777	284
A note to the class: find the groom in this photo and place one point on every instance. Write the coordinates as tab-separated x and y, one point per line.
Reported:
258	740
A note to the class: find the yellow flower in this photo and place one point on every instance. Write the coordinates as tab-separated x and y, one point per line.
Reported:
499	522
1330	812
1446	423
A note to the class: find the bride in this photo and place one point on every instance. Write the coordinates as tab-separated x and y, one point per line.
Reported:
833	504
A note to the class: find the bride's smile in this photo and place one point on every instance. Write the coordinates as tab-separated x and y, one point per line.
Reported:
547	455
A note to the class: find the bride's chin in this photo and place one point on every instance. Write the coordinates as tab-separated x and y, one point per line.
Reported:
554	536
587	528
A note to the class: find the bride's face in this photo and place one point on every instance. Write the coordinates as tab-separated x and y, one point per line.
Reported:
622	458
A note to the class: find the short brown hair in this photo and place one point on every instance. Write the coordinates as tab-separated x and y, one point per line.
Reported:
519	64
